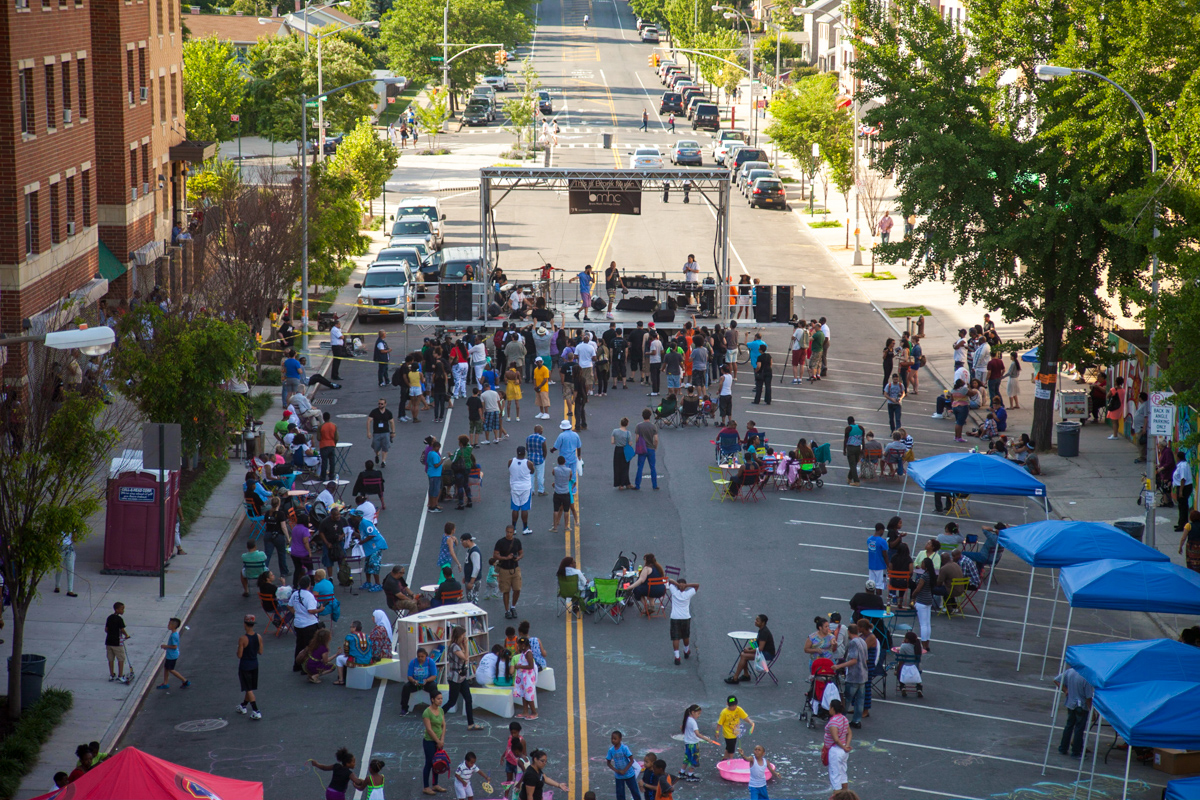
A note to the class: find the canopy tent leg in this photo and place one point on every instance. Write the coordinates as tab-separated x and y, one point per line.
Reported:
1062	661
920	514
1083	755
991	573
1053	725
1128	761
1050	631
1095	755
903	487
1046	505
1025	620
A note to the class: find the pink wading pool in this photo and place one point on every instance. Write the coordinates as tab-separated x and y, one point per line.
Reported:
738	770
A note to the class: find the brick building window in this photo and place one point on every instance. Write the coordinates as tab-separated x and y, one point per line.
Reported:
51	100
28	124
85	188
146	167
55	215
171	15
129	73
31	223
71	200
133	174
162	99
81	82
160	17
66	88
143	93
174	81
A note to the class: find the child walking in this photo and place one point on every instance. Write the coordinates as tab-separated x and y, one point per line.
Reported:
691	743
758	772
462	777
172	648
729	724
375	780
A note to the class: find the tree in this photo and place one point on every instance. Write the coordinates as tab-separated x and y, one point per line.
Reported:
281	72
721	43
729	78
808	113
49	459
872	186
217	178
213	88
432	117
175	366
334	228
522	111
411	34
1019	183
249	246
764	48
368	159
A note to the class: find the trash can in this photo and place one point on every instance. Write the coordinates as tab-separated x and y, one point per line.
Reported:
607	139
33	669
1134	529
1068	438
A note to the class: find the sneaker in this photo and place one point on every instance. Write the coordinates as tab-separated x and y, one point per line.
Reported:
960	440
112	678
518	419
527	531
677	663
687	653
255	715
242	709
185	684
163	686
435	511
691	776
937	416
1112	436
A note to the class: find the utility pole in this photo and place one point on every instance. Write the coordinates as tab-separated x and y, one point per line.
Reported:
858	262
446	51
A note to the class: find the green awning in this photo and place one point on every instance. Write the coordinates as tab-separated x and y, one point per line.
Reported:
111	267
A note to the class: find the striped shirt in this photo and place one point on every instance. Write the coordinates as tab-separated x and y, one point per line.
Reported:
839	722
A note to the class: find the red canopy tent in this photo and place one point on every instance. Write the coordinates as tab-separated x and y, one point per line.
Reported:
131	774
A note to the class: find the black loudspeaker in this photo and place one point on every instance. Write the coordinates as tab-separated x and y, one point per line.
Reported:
664	315
447	301
599	304
463	305
643	304
671	303
784	298
762	304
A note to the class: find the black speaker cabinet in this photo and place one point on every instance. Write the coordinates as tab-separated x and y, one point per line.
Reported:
447	301
664	315
785	296
763	310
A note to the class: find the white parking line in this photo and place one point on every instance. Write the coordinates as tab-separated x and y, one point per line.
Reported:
940	794
924	707
952	446
989	680
867	424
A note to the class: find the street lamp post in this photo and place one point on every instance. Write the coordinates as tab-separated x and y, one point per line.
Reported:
731	13
304	202
1048	72
89	341
812	176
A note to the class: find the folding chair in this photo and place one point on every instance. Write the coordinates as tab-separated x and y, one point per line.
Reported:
720	483
673	573
901	577
258	524
281	620
728	446
880	671
656	606
909	614
750	478
960	506
607	603
898	665
769	672
754	491
374	486
967	598
952	605
569	599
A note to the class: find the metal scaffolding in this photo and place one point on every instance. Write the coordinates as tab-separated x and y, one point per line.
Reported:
704	181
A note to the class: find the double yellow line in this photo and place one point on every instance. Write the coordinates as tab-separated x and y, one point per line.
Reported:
573	548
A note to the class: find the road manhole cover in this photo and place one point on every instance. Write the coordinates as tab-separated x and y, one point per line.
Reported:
201	725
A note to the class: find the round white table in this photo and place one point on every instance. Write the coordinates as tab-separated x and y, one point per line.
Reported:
740	640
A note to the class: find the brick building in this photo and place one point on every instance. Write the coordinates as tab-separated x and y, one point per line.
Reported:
93	166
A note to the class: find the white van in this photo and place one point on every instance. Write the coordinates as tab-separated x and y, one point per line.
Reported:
384	291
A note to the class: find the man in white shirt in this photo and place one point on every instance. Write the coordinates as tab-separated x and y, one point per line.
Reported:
477	353
326	495
337	347
518	304
824	347
983	354
306	609
585	353
799	346
1181	480
655	350
691	274
960	349
681	615
725	395
491	416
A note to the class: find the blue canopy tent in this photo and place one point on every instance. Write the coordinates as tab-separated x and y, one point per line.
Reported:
1061	543
1183	789
1153	713
1109	664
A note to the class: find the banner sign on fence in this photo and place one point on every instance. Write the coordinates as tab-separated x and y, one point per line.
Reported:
605	197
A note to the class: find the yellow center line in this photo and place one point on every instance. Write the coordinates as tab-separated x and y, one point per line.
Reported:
570	701
583	731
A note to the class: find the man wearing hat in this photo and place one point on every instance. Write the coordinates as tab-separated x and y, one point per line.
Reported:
541	386
570	445
866	600
472	565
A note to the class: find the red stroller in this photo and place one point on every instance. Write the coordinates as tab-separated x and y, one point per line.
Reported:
823	688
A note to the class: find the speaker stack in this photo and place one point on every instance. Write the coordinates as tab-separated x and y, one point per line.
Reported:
784	298
763	311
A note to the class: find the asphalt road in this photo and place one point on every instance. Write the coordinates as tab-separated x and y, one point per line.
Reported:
980	730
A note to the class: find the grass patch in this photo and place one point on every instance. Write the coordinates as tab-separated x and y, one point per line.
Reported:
829	223
787	179
19	750
269	376
261	403
199	490
394	110
878	276
908	311
441	151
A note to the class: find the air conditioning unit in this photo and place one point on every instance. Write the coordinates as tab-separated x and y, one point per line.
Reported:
22	3
145	93
70	228
66	116
145	189
131	98
133	192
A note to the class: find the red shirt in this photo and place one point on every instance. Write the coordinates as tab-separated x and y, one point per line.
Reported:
327	435
995	369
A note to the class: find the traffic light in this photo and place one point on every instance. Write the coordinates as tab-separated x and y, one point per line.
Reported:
653	60
501	58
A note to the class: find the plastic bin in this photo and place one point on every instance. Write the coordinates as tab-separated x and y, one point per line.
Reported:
607	139
1068	438
1134	529
33	669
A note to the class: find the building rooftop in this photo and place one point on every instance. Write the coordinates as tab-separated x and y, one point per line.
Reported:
227	27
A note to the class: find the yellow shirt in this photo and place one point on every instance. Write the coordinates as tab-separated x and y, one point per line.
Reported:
541	378
730	720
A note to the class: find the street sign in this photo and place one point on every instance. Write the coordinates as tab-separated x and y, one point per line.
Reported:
1162	414
436	58
605	197
235	118
391	100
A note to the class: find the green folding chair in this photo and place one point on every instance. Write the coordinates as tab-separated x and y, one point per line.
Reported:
607	605
569	599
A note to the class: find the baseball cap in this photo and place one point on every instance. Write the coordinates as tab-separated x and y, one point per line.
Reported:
248	619
870	585
731	700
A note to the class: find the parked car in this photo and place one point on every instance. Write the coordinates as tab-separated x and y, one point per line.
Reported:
384	291
768	192
706	117
412	230
545	106
745	154
428	207
498	82
723	153
650	35
676	78
485	90
643	23
646	158
695	99
668	70
688	92
331	144
662	66
753	175
687	151
478	112
739	176
671	101
414	258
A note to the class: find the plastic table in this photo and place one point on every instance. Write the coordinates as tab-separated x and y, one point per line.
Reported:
740	640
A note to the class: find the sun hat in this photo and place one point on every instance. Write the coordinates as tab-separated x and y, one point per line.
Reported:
565	425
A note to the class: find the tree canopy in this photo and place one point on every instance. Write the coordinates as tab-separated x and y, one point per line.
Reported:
807	113
213	88
367	158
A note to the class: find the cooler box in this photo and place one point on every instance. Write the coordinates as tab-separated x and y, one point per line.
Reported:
131	546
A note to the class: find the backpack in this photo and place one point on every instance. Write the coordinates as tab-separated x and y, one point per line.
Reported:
1114	402
461	462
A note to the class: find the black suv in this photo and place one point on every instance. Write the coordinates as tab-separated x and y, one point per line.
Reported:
706	116
671	101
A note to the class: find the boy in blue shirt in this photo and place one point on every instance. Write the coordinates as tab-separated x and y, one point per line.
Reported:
877	556
585	290
1001	415
755	347
422	674
172	648
620	761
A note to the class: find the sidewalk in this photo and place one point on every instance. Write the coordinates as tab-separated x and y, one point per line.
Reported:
69	631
